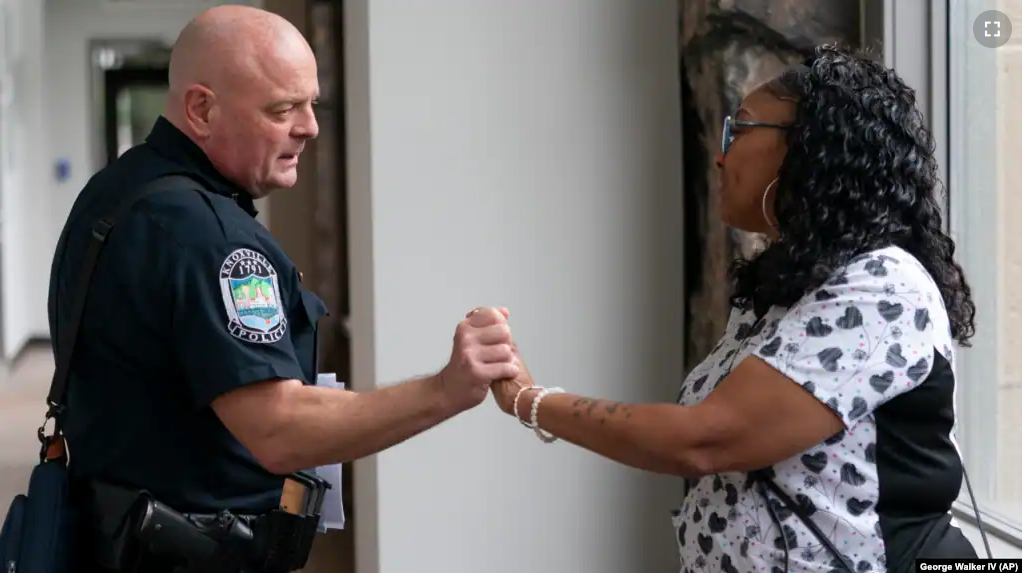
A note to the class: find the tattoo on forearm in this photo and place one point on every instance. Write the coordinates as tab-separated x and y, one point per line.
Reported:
588	406
581	404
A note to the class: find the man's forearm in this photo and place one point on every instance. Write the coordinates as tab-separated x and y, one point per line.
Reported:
323	425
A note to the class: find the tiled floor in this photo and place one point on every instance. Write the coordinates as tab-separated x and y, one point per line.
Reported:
23	388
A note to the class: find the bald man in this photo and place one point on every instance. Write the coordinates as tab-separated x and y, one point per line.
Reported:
194	369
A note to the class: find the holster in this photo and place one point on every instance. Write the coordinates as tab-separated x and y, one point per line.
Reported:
131	529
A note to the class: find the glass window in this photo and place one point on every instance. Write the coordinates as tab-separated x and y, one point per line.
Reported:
985	188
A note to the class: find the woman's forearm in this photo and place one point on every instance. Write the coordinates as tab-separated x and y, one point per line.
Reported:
754	418
653	437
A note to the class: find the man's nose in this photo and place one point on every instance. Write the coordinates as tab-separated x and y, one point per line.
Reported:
307	127
719	160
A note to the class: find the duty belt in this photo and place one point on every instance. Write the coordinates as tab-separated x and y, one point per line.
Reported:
135	530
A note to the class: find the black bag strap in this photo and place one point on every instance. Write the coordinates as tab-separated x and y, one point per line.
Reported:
68	334
797	510
976	512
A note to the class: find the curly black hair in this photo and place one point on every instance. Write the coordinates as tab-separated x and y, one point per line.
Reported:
861	160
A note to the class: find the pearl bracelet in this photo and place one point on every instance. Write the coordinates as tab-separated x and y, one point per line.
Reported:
544	436
515	405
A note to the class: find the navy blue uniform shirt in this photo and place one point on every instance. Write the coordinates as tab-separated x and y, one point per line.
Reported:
191	298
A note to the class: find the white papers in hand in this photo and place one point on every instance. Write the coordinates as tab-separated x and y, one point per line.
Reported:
332	516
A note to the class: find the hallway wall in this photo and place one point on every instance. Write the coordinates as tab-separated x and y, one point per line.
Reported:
23	198
67	133
522	154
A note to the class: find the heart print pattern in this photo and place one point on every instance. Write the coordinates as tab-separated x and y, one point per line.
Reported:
867	335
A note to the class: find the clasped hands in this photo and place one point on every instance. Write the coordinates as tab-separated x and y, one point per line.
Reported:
484	357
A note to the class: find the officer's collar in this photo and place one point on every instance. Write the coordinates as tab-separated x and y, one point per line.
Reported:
170	142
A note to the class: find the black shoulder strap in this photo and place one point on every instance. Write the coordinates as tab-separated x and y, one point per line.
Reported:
976	512
841	563
100	231
795	508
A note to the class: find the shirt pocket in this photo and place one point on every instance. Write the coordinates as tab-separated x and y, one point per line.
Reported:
313	307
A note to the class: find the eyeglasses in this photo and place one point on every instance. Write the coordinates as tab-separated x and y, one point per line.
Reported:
726	130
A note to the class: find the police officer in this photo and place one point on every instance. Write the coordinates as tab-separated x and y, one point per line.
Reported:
193	371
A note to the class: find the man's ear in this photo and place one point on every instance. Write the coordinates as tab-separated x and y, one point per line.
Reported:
199	108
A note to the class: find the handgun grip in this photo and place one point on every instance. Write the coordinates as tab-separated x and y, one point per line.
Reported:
165	531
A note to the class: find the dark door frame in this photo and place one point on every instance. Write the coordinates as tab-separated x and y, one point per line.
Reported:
113	82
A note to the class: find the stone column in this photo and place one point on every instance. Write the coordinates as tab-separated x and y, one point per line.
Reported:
727	48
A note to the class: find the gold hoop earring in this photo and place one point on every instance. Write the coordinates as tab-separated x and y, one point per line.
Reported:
763	204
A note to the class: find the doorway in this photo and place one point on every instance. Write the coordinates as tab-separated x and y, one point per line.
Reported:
133	99
128	87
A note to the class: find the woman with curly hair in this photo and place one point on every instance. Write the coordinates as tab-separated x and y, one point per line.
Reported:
818	434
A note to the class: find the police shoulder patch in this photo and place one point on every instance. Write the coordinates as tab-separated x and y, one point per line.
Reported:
252	297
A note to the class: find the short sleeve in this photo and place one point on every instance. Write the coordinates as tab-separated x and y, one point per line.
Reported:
861	339
230	323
